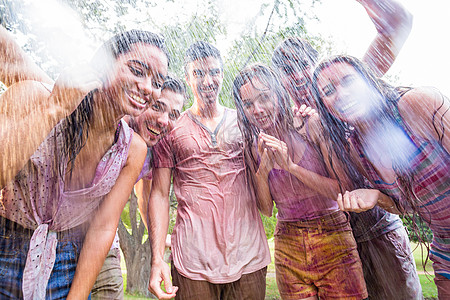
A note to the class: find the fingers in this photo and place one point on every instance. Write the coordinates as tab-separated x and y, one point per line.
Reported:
157	277
340	202
352	201
348	202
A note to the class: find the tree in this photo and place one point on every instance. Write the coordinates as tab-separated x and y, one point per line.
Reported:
103	18
136	249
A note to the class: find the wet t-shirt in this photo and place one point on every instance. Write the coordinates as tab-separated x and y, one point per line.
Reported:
218	235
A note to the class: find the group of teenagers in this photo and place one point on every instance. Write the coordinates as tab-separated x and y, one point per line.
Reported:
340	153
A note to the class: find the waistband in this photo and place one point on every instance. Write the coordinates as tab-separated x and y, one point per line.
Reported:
13	230
336	218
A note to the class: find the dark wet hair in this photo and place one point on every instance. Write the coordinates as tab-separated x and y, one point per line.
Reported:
294	50
76	126
200	50
175	85
121	43
269	79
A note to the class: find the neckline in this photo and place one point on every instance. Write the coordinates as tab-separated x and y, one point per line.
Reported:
213	134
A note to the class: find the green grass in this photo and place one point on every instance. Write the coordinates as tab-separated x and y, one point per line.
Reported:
428	287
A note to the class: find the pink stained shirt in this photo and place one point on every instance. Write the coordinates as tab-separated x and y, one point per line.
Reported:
296	201
218	234
36	199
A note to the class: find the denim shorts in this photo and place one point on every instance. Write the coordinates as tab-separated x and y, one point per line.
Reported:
14	244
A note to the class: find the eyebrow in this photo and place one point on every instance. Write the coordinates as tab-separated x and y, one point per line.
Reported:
145	66
162	103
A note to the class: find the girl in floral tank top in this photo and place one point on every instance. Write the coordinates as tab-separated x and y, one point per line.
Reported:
60	213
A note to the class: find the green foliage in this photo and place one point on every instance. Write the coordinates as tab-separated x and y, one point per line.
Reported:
270	223
418	230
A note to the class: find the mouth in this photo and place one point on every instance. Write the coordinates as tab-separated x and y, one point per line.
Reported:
136	100
348	108
152	130
209	91
263	120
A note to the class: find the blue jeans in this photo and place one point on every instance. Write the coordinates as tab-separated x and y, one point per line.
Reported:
14	244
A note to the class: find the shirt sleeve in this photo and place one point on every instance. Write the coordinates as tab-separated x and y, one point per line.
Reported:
163	156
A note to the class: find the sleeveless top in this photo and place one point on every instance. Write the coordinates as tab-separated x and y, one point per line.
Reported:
295	201
429	167
36	200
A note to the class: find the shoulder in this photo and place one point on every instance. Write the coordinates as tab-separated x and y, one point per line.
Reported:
137	151
418	106
420	99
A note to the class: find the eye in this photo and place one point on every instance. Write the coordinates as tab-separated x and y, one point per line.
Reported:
247	104
157	107
174	116
265	98
137	71
198	73
214	72
328	91
347	80
157	84
288	70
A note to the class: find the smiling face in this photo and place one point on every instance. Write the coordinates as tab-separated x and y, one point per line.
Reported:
205	77
347	94
296	78
136	78
160	117
260	104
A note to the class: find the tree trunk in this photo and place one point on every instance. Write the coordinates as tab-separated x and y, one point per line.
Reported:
137	254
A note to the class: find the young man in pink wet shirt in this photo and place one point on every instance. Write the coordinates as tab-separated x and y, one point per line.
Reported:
219	247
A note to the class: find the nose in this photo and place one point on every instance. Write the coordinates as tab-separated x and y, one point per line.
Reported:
257	108
207	80
342	92
147	89
163	119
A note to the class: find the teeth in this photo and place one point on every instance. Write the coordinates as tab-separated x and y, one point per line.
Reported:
138	99
154	131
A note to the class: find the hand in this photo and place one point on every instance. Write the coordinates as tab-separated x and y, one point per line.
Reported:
358	200
301	114
266	163
303	111
278	150
160	272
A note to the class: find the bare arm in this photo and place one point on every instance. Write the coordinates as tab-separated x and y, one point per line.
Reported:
325	186
260	179
143	188
15	64
393	24
103	227
158	216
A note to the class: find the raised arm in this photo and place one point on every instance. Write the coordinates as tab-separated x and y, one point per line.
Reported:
103	227
158	216
15	64
30	109
393	24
